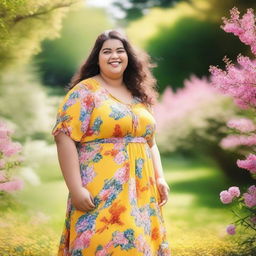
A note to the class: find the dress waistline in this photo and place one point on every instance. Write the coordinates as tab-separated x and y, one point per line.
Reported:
127	139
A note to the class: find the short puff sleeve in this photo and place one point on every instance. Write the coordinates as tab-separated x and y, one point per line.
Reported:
74	112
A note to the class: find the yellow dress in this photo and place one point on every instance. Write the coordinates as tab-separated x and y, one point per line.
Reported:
112	140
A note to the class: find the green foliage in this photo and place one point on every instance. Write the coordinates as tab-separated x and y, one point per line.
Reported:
189	47
24	24
25	104
60	58
185	39
135	9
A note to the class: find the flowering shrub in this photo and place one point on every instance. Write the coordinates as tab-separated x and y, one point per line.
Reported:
188	114
24	236
239	81
9	159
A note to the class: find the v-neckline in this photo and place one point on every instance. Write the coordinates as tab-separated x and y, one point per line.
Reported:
134	98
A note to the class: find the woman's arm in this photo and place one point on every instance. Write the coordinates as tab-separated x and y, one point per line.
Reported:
161	183
69	164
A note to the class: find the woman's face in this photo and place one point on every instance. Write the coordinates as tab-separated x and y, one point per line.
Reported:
113	58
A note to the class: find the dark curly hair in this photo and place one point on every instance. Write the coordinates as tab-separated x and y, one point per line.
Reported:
137	76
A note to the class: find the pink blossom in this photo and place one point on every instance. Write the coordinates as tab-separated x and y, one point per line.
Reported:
249	200
187	104
11	148
242	124
13	185
231	229
250	197
249	163
234	191
226	197
237	81
233	141
252	190
2	163
244	28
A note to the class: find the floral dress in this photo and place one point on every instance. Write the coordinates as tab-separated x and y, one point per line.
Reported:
112	140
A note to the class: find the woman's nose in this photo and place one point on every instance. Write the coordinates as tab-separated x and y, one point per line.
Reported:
114	55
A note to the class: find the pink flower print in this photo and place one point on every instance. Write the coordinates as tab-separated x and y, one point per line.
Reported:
234	191
102	252
87	174
120	157
87	155
119	146
132	191
83	240
122	175
104	194
231	229
119	238
226	197
140	243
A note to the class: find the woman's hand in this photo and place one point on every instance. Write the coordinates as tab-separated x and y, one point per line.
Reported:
163	189
82	199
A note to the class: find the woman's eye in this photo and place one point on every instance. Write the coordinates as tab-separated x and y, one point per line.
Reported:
106	52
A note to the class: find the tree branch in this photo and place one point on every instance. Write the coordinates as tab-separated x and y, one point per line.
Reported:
43	12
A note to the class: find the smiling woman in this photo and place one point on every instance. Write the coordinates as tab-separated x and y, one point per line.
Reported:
108	156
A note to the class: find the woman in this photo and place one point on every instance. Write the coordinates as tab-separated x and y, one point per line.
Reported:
108	156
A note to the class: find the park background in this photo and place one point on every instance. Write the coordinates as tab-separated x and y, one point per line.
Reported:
42	45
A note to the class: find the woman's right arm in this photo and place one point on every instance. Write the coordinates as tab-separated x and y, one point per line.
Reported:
69	164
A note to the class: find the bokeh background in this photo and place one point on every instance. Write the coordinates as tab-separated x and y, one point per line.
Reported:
43	43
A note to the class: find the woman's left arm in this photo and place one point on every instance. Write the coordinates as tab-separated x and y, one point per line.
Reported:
161	183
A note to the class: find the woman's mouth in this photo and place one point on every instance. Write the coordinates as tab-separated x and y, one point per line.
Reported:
115	64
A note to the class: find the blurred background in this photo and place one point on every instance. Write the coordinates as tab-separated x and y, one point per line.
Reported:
42	45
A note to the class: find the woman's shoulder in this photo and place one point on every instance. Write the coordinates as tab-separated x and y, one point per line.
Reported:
90	84
83	88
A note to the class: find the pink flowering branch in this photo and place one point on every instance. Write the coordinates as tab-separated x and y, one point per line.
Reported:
249	163
244	28
237	81
9	158
242	124
247	201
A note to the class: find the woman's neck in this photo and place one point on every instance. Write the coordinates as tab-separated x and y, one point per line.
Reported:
113	82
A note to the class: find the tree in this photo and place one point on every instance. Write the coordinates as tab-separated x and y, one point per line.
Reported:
135	9
24	24
60	58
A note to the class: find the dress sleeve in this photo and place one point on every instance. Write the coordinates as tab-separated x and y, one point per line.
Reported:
74	112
